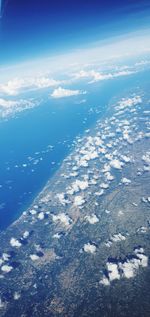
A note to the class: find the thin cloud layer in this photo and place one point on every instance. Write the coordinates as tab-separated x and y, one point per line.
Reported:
97	76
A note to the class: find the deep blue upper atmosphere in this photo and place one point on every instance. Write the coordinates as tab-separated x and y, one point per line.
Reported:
31	28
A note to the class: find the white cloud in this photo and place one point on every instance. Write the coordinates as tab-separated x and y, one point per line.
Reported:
129	102
62	92
146	158
92	219
10	107
126	269
45	82
109	177
104	185
8	103
41	215
113	271
77	186
15	86
34	257
100	193
125	181
129	268
5	256
15	243
125	158
2	305
26	234
97	76
105	281
116	164
62	199
63	218
57	235
79	201
16	295
12	86
89	248
118	237
6	268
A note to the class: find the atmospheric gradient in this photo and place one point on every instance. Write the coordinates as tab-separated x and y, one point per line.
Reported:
75	158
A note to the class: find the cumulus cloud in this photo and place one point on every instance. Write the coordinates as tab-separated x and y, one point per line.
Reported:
26	234
79	201
63	218
33	212
118	237
116	164
41	215
77	186
89	248
125	181
5	256
6	268
62	92
34	257
15	243
125	269
15	86
146	158
16	295
92	219
105	281
62	199
104	185
113	271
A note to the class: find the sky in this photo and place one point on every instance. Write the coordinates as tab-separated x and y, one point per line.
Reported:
32	29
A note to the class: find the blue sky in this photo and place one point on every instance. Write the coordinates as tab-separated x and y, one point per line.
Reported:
35	28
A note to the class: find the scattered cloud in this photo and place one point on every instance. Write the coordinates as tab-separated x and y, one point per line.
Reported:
62	92
127	268
63	218
129	102
116	164
41	215
79	201
15	243
125	181
34	257
10	107
92	219
89	248
6	268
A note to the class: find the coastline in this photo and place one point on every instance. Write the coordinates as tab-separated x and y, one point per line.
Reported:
95	209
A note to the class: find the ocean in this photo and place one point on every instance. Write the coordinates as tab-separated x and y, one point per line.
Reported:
34	143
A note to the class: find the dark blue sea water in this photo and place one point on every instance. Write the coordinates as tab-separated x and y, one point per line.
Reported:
34	143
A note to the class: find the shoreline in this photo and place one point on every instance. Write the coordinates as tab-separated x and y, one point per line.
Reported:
87	226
